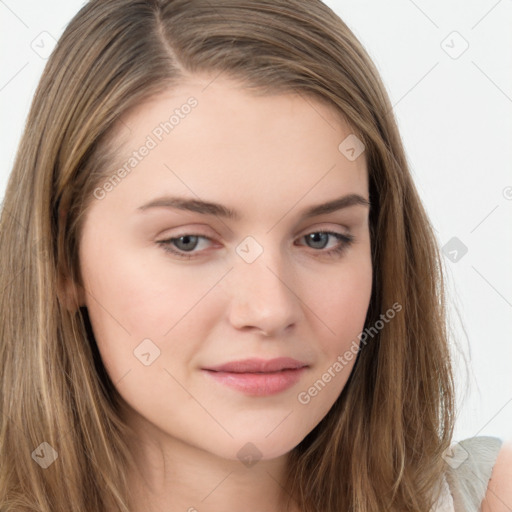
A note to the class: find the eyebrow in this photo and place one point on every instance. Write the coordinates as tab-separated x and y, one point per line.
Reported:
211	208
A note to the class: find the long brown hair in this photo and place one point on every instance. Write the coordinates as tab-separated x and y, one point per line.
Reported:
380	446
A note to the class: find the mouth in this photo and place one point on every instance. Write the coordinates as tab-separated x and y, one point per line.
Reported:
258	377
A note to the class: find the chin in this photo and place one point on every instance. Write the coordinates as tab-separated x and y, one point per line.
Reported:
259	447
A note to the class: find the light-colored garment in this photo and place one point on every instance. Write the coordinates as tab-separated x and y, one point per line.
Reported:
469	468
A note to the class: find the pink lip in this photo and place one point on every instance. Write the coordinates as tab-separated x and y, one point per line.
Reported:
259	377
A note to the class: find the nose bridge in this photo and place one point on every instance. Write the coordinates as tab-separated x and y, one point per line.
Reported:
262	287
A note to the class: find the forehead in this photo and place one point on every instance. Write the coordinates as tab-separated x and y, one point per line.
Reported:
216	137
234	108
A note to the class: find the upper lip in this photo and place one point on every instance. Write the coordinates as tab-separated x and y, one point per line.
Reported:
254	365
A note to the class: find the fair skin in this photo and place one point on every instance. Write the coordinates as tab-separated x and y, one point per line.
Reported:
269	158
499	490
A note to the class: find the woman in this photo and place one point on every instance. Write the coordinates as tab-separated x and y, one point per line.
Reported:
175	339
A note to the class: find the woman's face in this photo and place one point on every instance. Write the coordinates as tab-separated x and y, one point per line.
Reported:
175	287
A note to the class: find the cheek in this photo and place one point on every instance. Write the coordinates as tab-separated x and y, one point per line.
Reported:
341	315
341	305
127	301
131	299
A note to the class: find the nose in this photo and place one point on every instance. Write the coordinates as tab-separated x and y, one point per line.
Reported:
264	295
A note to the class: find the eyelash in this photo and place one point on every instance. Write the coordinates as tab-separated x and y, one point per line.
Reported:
345	242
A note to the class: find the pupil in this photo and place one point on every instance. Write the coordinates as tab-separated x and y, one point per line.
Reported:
186	240
314	236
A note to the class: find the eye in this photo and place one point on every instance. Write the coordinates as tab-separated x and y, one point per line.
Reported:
184	243
184	246
321	238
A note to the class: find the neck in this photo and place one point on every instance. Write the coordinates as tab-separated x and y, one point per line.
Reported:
177	477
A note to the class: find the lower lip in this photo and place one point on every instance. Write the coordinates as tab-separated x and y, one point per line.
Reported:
258	384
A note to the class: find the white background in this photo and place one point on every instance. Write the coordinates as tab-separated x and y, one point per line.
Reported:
455	116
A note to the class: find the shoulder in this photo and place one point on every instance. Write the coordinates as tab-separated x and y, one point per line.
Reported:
498	497
470	464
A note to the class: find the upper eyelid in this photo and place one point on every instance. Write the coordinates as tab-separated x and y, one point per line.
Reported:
197	232
200	235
